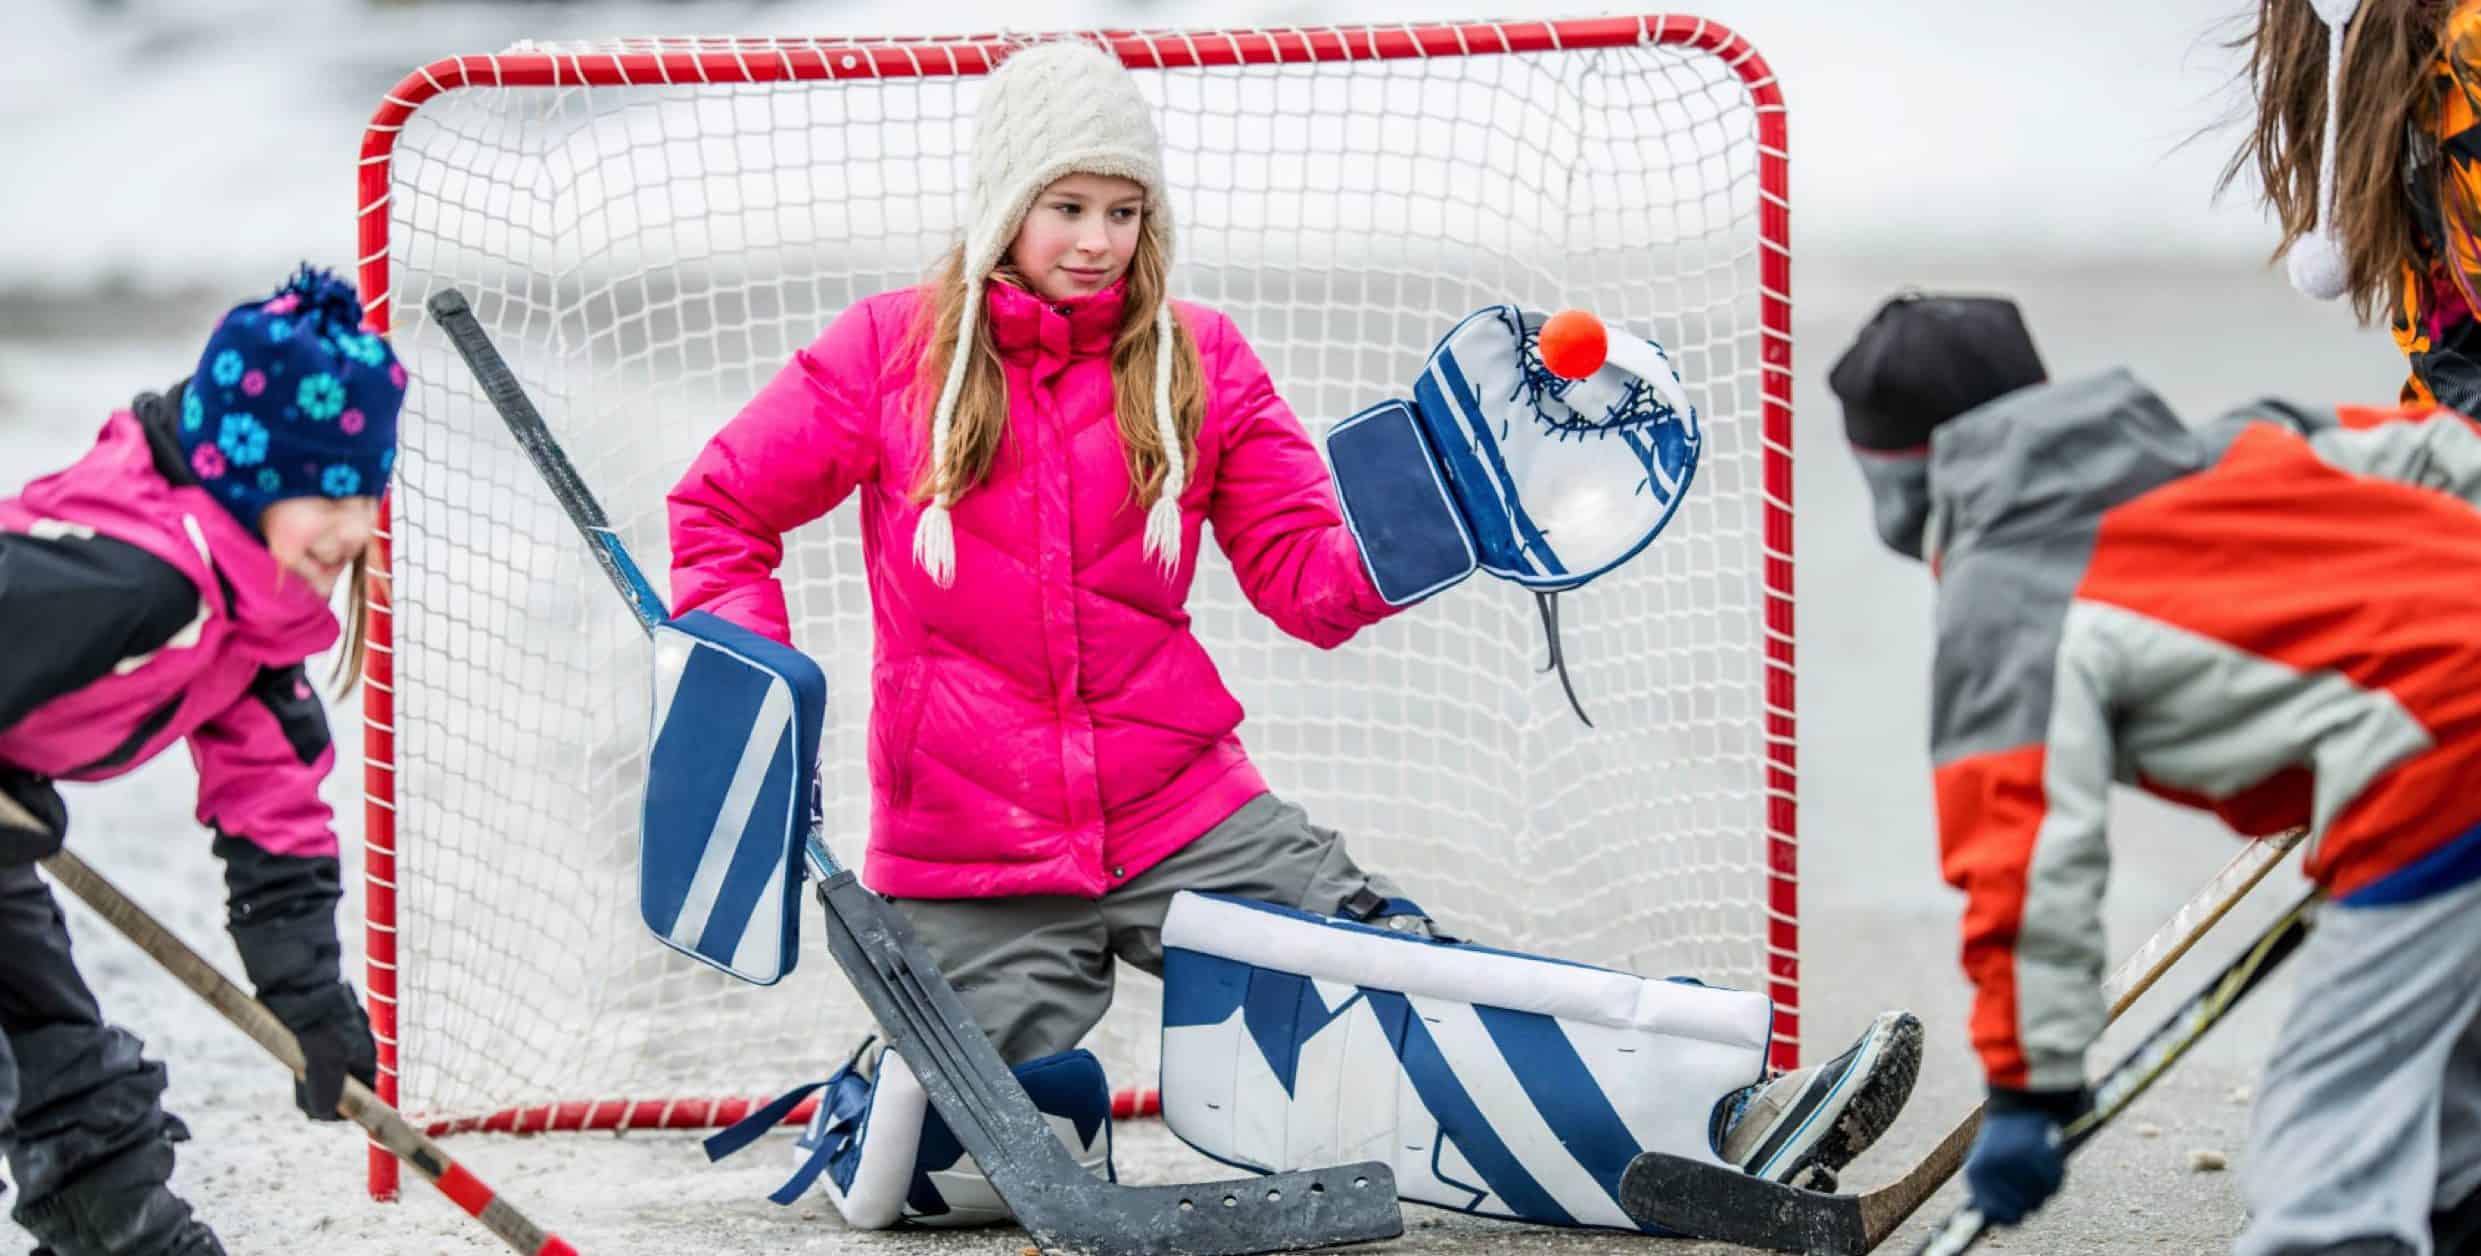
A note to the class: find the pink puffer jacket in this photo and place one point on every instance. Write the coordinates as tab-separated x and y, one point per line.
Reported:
254	779
1047	724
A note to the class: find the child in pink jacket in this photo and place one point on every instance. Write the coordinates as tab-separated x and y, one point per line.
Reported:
1039	437
165	588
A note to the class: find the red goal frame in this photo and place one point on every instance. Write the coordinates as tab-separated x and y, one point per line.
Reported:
731	61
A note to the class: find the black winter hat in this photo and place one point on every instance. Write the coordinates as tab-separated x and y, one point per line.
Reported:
1923	360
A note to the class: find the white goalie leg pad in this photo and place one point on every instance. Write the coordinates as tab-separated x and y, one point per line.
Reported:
884	1157
1495	1083
898	1163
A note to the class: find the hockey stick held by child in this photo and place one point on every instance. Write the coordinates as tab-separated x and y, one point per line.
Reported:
365	1109
1688	1197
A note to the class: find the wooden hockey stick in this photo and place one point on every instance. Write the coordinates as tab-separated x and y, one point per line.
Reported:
1717	1202
15	815
251	1017
1049	1193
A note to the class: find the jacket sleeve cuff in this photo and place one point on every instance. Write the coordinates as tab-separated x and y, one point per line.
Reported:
281	912
2062	1106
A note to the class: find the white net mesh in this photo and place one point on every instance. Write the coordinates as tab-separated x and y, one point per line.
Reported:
648	255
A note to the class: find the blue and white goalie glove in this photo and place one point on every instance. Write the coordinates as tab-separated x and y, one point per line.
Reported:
1502	464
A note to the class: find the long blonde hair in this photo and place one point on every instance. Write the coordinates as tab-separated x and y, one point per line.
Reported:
2387	51
981	415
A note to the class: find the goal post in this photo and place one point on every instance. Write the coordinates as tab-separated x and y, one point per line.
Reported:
650	228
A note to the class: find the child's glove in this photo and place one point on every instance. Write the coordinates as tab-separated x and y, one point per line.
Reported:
32	818
2016	1164
283	919
335	1039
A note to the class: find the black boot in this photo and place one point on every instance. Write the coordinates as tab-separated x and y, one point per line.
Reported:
121	1208
93	1148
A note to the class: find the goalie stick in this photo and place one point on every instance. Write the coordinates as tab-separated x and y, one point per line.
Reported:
1053	1197
384	1125
1714	1202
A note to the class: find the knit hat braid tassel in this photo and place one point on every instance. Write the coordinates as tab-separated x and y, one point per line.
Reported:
2316	263
1163	519
1052	109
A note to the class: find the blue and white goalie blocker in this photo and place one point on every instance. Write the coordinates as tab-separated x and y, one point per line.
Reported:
1493	1083
731	785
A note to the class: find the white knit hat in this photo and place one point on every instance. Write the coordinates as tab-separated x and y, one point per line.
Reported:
1051	110
2316	263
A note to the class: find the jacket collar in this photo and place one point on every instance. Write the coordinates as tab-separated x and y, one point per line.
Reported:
1022	321
157	412
143	476
2046	459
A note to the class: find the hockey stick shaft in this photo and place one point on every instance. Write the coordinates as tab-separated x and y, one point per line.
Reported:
499	385
1049	1193
2142	1067
15	815
2126	984
384	1125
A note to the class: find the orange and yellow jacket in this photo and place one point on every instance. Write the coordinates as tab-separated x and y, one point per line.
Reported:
2435	324
2276	616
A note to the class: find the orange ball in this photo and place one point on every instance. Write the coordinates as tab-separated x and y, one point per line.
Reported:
1573	344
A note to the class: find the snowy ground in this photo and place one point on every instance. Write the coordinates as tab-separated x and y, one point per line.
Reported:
2097	220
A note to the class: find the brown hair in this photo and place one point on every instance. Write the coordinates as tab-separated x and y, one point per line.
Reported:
362	583
981	416
2387	51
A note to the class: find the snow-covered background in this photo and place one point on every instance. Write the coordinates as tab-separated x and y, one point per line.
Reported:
163	145
168	158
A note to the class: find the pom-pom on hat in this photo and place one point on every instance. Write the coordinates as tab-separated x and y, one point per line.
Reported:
2316	263
292	398
1051	110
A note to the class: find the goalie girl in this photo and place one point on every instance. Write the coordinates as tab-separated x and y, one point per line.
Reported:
167	588
1039	437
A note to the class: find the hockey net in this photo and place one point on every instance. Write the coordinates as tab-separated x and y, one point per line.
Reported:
650	228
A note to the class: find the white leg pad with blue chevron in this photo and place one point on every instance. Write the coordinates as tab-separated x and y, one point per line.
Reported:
1495	1083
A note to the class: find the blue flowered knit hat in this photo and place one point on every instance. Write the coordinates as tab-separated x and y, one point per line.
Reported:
293	398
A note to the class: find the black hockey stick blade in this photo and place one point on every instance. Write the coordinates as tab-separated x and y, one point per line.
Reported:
1057	1201
1051	1195
1717	1201
1712	1201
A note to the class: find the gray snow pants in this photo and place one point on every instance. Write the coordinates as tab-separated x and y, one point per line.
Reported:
2370	1117
1036	971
